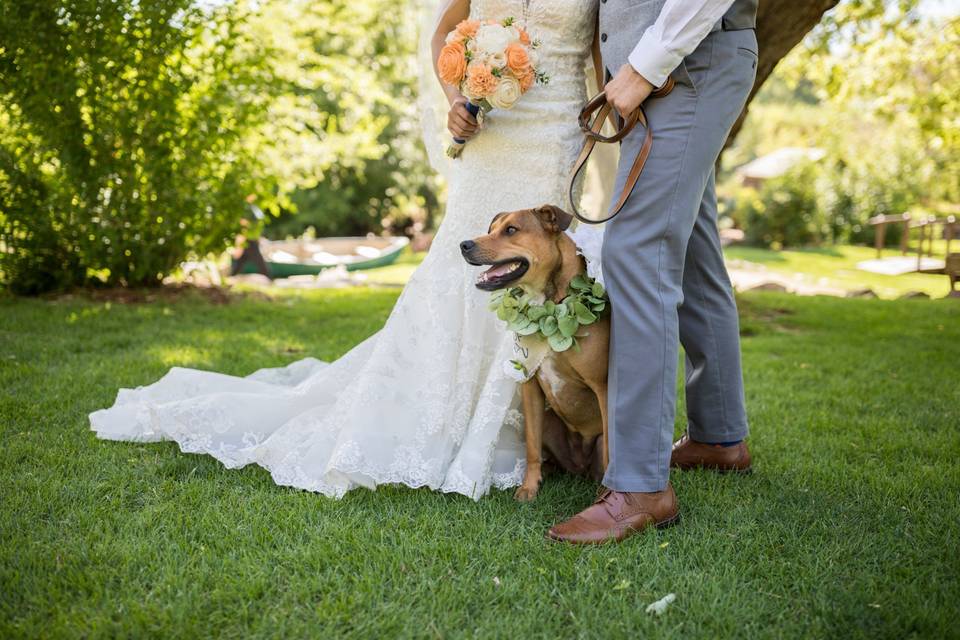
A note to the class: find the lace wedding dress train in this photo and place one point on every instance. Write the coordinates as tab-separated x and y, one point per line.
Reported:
426	401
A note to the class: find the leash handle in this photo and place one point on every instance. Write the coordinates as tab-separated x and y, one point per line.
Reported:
601	110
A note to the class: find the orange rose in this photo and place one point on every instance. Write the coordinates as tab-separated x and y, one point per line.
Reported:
468	28
527	79
452	63
480	81
524	36
517	59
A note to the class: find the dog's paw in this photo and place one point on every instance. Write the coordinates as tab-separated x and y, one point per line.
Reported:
526	494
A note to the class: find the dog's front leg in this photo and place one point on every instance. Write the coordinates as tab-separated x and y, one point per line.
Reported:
605	437
601	391
533	408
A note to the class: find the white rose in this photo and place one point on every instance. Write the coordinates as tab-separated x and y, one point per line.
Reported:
507	93
534	56
492	38
496	60
514	33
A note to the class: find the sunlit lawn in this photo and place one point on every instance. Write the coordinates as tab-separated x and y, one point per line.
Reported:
835	267
847	528
827	267
398	273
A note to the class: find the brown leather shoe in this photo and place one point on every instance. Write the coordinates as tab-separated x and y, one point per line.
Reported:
616	516
688	454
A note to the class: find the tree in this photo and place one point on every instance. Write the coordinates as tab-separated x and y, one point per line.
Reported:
128	137
781	25
131	132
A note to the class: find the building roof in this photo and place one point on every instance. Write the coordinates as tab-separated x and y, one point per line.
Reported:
778	162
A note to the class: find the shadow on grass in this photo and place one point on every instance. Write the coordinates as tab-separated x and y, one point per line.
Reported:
765	256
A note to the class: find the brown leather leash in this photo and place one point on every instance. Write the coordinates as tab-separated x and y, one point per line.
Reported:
603	109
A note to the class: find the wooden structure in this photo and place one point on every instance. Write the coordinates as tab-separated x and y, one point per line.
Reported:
953	272
926	226
879	224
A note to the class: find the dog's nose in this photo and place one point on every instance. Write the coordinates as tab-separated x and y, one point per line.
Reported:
467	245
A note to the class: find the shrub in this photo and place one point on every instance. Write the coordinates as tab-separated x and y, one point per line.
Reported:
784	211
131	132
123	138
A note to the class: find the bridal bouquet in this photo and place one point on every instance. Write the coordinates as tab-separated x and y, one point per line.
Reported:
493	63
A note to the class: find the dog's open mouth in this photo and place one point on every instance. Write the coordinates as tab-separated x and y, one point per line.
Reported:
502	273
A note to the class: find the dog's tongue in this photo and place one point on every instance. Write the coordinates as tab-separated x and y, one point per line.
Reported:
499	270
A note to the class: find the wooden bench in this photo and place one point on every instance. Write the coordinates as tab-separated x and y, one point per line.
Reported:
953	272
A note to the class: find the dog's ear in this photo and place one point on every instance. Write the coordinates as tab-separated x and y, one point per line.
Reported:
553	218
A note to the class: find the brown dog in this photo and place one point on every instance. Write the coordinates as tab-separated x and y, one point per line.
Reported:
528	249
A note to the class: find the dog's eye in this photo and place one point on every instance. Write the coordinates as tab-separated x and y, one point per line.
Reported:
511	230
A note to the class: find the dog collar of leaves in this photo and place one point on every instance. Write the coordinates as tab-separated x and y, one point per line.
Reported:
558	323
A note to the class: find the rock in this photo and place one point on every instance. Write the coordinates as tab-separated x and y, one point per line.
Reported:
768	286
861	293
912	295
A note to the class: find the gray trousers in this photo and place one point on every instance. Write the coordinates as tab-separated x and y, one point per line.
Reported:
664	269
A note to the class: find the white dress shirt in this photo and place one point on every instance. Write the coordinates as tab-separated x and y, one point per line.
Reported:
681	26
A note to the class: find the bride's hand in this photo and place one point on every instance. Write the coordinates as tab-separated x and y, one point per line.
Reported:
461	122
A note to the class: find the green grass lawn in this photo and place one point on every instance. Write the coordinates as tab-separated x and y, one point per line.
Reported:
833	267
836	267
848	527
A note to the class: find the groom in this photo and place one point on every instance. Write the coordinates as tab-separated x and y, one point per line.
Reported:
662	261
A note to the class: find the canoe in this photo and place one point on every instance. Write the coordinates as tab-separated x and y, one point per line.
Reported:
311	256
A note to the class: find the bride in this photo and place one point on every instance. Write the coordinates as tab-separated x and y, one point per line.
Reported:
426	401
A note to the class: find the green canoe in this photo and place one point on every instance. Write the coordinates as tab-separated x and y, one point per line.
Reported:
311	256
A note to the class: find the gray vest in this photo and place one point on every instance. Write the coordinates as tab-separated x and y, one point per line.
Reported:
622	23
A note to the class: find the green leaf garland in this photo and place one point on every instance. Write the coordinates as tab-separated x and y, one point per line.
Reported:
558	323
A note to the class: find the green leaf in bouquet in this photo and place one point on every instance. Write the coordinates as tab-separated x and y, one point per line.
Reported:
568	325
511	313
579	282
597	308
550	306
548	325
562	311
559	342
598	291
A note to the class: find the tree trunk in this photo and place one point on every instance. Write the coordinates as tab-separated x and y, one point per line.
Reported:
781	24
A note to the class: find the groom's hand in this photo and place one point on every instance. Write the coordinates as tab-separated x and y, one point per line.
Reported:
627	90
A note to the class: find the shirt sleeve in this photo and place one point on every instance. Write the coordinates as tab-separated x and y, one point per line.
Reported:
680	27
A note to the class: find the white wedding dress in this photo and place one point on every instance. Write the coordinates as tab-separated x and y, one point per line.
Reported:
426	401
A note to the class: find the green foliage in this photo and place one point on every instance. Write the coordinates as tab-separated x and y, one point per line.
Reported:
356	63
887	115
784	212
123	129
131	132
